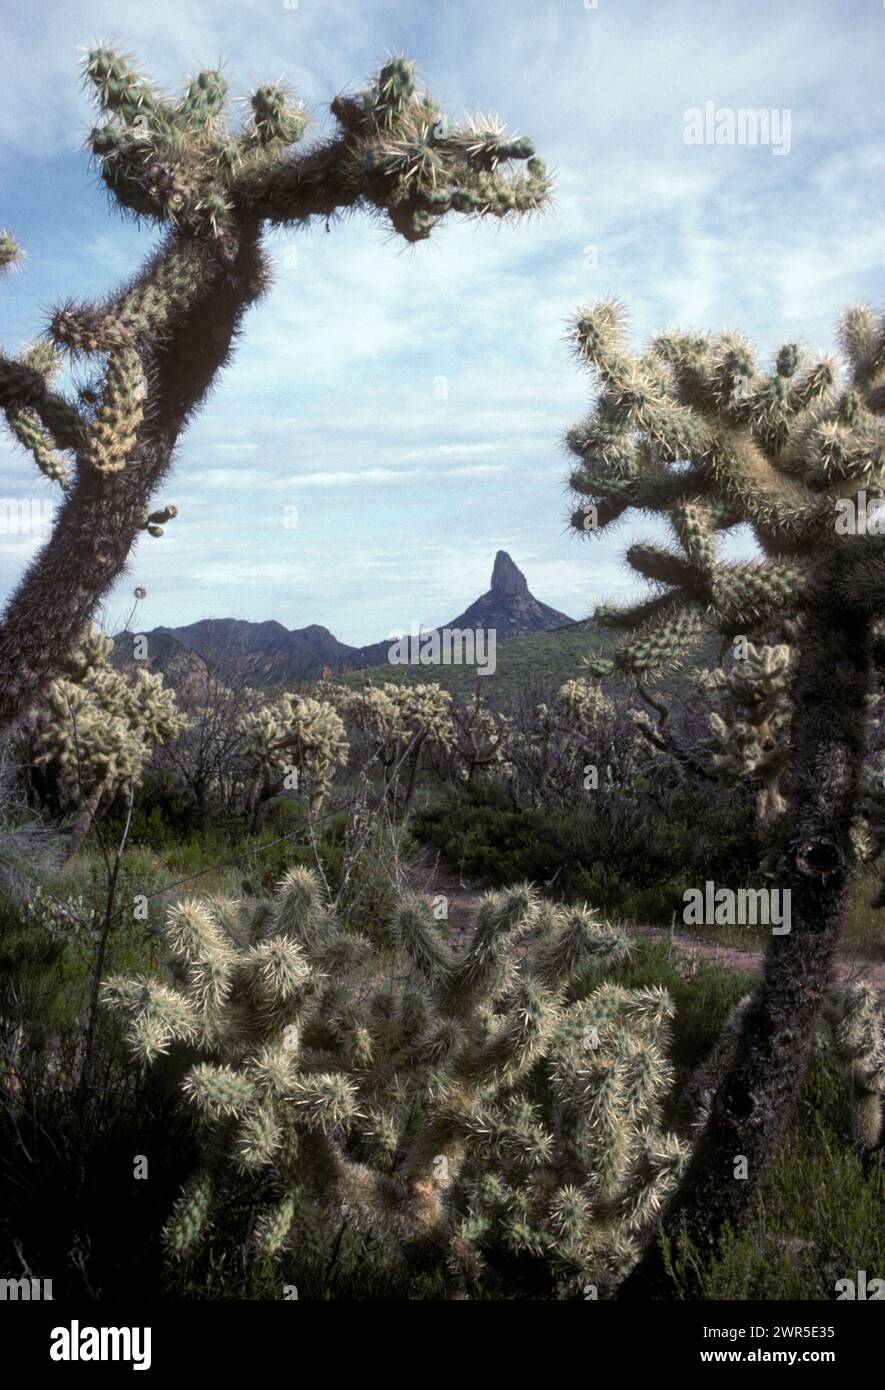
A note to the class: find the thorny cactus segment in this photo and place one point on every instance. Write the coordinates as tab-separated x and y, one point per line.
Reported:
181	164
469	1103
299	730
750	730
751	736
694	430
397	152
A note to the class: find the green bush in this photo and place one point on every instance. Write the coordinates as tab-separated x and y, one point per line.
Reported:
615	854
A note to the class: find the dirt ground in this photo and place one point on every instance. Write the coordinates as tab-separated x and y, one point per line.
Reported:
428	874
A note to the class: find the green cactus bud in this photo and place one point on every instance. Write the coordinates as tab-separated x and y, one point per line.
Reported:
788	360
276	121
601	667
205	99
189	1222
272	1227
523	148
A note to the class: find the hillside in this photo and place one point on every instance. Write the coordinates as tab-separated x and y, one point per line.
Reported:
541	661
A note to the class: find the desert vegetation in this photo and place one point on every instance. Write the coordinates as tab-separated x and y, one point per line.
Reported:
379	985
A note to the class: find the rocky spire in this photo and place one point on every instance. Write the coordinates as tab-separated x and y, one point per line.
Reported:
507	578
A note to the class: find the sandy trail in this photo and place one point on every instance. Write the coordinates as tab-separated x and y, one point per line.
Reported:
427	874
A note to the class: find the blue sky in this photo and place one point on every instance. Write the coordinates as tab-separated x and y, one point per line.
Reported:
336	402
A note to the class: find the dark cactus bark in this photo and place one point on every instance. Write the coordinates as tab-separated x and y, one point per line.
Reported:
83	823
102	517
755	1098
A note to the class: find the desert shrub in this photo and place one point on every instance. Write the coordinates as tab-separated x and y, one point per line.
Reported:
72	1208
163	813
625	858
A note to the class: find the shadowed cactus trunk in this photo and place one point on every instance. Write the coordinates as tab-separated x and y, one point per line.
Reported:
83	822
755	1098
103	513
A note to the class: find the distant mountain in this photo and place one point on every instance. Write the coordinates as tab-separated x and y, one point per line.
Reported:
268	654
259	654
263	653
508	607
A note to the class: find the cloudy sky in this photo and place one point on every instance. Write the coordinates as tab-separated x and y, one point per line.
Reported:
407	405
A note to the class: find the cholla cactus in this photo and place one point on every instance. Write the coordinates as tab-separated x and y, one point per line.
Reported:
751	735
580	728
751	728
332	692
399	720
180	162
856	1017
693	430
307	732
585	704
99	727
464	1102
152	349
481	737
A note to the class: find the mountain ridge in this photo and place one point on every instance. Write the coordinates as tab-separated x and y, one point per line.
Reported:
269	654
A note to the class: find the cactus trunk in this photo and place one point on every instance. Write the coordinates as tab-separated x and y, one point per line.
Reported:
755	1098
102	516
85	816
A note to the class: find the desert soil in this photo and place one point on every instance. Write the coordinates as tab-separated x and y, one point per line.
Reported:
427	874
